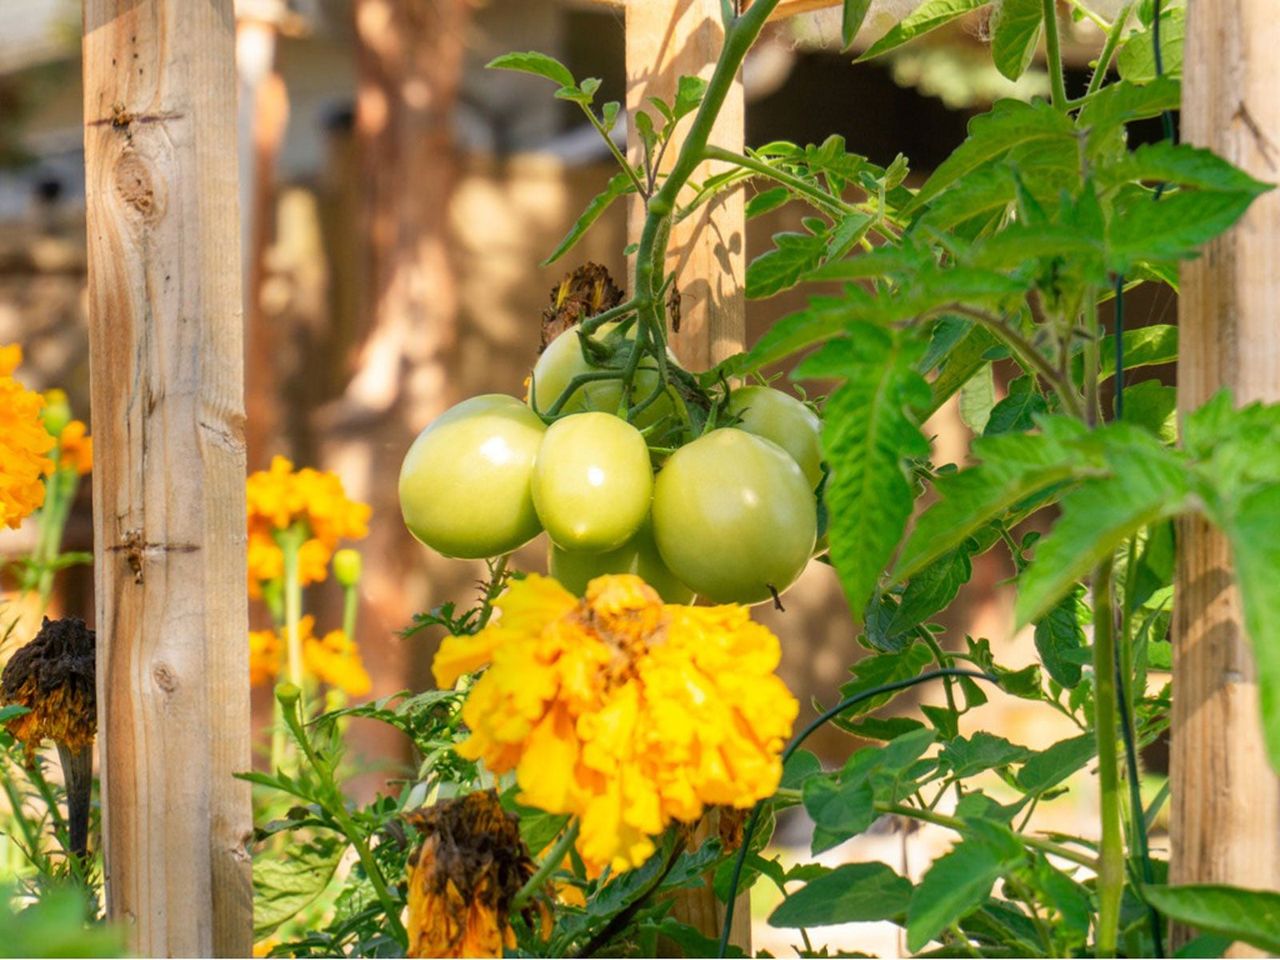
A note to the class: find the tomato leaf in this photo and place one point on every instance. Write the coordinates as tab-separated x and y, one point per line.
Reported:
619	186
851	893
1015	34
1252	916
868	434
536	63
928	16
854	13
283	887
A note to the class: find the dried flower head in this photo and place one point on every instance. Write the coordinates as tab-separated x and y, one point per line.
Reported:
464	877
628	713
584	293
24	441
53	677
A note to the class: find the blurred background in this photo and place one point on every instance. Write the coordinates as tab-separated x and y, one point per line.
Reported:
396	201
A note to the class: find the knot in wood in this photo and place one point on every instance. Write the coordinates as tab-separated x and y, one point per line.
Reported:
164	677
136	188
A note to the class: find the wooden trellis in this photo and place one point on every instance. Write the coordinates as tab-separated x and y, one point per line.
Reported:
166	358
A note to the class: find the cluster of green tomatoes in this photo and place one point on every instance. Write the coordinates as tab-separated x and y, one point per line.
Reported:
729	515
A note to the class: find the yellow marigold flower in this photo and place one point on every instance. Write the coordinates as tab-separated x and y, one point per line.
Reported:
464	877
280	497
75	448
23	443
335	659
266	656
623	711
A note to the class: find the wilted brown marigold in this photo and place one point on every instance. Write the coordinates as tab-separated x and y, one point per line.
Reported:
53	677
463	878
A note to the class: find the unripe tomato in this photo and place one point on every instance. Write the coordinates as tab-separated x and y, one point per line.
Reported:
733	516
563	360
780	417
639	555
592	481
465	482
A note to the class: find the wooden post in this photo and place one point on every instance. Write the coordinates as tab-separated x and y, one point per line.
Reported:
168	482
1226	798
667	39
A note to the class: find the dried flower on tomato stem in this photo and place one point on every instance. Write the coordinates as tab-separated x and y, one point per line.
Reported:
53	676
463	878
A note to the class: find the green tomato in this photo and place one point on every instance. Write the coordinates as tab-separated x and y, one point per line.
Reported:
639	555
733	515
592	481
563	360
780	417
465	482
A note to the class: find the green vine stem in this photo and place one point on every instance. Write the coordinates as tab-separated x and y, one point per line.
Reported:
1111	848
1053	49
550	864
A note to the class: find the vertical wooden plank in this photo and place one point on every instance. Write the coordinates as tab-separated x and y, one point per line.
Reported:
667	39
1226	799
168	482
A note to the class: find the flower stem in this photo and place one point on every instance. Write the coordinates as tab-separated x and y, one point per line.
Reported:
1114	36
549	865
1053	47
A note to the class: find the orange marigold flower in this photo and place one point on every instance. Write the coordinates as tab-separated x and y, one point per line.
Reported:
335	659
266	656
625	712
75	448
280	497
463	878
23	444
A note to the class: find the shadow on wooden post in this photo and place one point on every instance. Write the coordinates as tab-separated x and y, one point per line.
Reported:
166	346
1226	800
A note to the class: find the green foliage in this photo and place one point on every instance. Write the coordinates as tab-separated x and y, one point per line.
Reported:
56	925
854	892
1250	916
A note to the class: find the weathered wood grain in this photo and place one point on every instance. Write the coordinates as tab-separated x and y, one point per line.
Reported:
169	517
1226	799
667	39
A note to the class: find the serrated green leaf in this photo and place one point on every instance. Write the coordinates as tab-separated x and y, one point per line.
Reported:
851	893
1172	229
1136	61
1015	33
1146	483
824	318
1183	164
840	810
284	886
619	186
1017	411
1009	124
1143	347
536	63
1051	766
1253	528
767	200
962	361
876	671
793	256
1251	916
868	434
932	589
689	94
1058	636
799	767
928	16
1119	103
959	882
1154	407
983	751
1013	467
